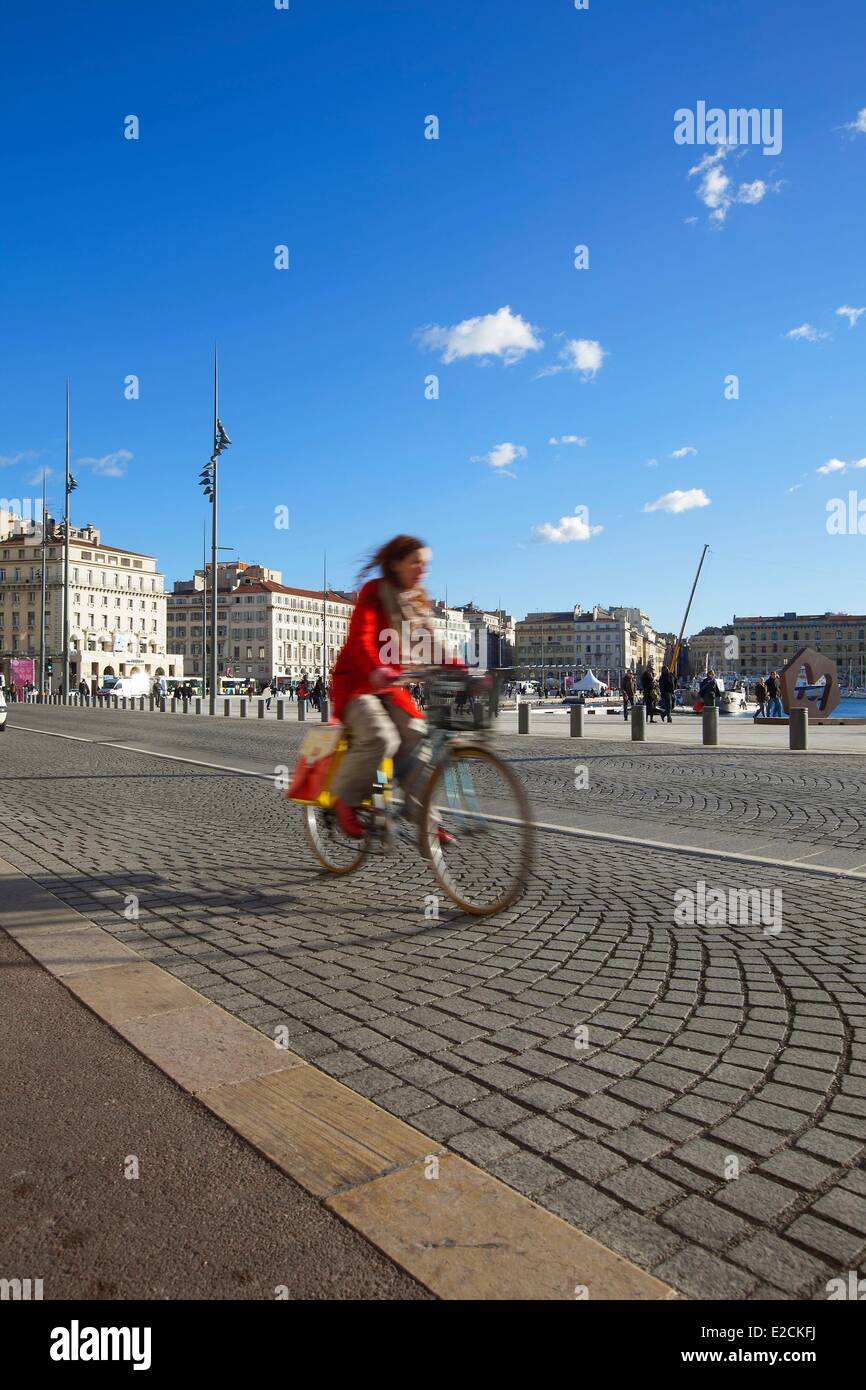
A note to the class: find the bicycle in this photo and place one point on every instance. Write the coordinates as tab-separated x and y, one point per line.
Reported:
470	814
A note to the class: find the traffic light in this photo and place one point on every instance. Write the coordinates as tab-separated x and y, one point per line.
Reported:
49	667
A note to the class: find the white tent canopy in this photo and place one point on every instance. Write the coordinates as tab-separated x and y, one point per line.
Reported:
589	682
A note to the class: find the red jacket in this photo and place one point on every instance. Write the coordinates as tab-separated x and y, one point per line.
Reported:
360	657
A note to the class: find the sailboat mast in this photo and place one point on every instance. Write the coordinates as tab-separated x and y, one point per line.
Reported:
679	642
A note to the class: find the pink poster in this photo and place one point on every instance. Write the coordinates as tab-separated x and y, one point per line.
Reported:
22	672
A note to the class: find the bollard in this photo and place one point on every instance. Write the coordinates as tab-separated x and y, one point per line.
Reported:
798	730
302	712
123	702
323	708
281	709
638	724
198	705
577	721
261	705
184	706
211	707
243	709
710	717
523	717
163	705
227	708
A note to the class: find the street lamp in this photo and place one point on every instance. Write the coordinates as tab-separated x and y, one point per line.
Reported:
70	487
208	480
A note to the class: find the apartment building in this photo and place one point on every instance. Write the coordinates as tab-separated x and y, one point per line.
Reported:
711	649
767	644
117	604
606	640
492	636
264	627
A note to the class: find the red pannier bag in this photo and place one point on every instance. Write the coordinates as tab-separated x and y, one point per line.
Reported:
320	755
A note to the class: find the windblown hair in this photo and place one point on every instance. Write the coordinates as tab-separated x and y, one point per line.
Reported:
391	553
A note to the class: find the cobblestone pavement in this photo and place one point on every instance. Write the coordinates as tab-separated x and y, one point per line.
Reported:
766	802
711	1049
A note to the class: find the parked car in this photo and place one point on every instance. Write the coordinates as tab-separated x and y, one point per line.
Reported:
3	711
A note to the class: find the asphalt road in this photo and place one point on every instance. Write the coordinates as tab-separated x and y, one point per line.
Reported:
206	1217
705	1042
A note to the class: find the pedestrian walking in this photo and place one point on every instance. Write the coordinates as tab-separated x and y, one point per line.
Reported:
650	690
709	689
666	693
628	689
761	697
774	709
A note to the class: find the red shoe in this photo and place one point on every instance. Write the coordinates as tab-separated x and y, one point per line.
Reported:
444	836
349	822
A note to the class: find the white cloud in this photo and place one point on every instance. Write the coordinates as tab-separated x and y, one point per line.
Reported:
679	501
578	439
109	465
36	478
795	488
717	190
652	463
682	453
806	333
586	356
852	315
840	466
500	458
568	528
10	460
752	193
502	334
858	125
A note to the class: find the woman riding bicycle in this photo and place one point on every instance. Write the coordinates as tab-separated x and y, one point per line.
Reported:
392	618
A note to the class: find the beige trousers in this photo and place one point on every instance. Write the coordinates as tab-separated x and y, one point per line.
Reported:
378	729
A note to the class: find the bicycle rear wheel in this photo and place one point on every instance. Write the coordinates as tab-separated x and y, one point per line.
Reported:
335	850
475	830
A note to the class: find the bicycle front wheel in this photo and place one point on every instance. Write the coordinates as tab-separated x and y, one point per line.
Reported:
475	830
335	850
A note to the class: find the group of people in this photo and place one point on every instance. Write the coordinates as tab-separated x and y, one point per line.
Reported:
769	697
658	694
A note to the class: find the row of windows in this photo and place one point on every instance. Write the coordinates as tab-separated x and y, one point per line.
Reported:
82	578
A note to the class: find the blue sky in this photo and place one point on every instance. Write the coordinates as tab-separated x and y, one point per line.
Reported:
261	127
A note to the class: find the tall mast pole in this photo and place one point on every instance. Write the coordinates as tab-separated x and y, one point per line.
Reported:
679	642
213	641
324	624
42	611
203	608
66	567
